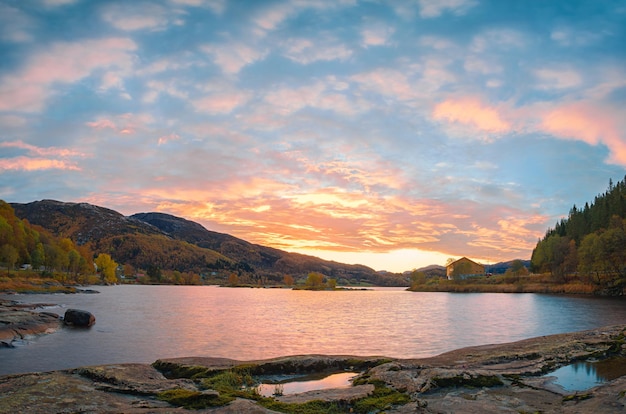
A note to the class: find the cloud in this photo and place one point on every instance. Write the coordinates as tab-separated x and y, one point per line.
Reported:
124	124
376	35
57	3
471	112
557	78
591	123
501	40
15	25
39	158
232	57
326	95
216	6
306	51
221	102
430	8
30	88
34	164
136	16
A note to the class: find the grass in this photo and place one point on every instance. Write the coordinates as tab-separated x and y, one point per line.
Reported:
239	382
33	285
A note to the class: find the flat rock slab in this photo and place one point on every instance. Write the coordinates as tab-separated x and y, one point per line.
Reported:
18	324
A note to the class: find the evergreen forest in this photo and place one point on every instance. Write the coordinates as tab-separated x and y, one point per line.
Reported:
589	245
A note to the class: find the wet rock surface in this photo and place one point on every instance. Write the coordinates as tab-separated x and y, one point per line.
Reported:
20	321
488	379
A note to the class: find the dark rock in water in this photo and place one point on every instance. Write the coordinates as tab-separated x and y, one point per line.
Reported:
77	317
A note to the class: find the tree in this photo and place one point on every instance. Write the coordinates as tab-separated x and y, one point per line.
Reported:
288	280
417	278
315	280
331	283
74	259
9	255
233	279
106	267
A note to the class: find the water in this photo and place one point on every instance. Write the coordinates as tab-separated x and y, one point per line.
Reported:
309	383
144	323
583	375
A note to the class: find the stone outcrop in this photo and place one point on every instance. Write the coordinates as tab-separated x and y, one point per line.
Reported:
79	318
504	378
18	322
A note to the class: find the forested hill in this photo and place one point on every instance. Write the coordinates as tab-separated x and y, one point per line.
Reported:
156	241
590	244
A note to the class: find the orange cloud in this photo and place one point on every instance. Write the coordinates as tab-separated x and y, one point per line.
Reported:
472	112
591	124
35	164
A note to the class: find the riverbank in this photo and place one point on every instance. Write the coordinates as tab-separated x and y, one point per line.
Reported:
488	379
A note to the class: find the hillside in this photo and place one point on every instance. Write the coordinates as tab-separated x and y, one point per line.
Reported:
168	242
590	244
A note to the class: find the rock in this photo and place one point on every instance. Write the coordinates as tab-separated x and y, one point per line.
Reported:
17	324
80	318
487	379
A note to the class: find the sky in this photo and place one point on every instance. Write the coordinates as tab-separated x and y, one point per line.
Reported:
394	134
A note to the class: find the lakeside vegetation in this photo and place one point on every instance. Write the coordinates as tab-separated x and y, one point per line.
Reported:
584	253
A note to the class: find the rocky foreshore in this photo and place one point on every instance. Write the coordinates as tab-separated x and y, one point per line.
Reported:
503	378
20	321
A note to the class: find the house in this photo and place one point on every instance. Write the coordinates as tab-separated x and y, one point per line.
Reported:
464	268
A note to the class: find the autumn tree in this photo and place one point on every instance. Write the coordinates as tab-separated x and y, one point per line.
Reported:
106	267
233	279
8	255
288	280
315	280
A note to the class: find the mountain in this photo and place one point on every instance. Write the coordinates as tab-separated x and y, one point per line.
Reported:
168	242
433	271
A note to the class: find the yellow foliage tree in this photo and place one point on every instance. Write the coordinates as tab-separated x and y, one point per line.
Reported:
106	267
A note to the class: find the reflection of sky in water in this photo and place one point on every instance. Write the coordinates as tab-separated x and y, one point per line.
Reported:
581	376
332	381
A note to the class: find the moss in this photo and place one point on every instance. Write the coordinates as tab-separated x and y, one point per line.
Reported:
173	370
194	400
382	398
311	407
468	381
232	383
577	397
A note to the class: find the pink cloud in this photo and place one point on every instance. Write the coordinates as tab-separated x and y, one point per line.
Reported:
35	164
133	16
472	112
593	124
123	124
430	8
221	103
41	151
232	57
28	89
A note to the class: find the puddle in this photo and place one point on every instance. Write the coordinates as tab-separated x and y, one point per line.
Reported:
308	383
581	376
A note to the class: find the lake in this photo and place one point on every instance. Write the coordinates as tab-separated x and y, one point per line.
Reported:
144	323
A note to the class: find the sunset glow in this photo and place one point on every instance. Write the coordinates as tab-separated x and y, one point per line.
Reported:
390	134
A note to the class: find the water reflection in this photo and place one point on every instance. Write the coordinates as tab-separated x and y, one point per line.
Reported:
145	323
342	380
581	376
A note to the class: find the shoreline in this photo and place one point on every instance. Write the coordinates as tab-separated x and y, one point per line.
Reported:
487	378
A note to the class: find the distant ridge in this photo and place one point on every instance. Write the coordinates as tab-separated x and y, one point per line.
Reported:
175	243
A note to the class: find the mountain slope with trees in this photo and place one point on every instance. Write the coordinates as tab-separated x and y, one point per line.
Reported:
590	244
157	242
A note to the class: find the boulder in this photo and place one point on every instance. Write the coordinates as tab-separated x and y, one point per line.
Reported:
80	318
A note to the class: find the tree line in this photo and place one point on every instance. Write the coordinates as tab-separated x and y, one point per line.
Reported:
590	244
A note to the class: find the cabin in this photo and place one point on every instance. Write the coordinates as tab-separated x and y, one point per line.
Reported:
464	268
